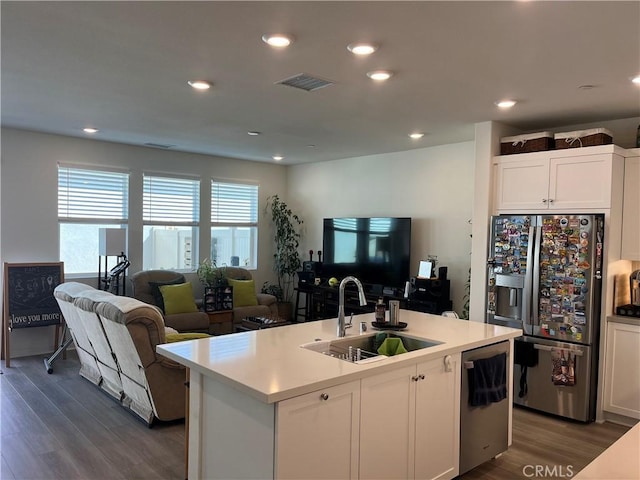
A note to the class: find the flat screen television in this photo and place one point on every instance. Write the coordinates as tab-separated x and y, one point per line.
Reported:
375	250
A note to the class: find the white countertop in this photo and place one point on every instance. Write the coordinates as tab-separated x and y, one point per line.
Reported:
618	462
271	366
622	319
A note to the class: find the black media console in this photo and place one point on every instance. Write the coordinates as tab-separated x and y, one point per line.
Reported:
429	296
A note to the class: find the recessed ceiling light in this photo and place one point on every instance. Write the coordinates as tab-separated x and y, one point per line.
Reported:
506	103
636	79
253	133
90	130
277	40
416	135
379	75
199	84
362	48
277	158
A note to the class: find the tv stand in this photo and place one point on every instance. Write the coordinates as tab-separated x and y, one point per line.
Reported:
323	300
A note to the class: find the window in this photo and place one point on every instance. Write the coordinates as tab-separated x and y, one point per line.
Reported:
87	201
170	214
234	224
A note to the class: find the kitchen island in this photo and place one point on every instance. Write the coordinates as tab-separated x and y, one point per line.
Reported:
261	406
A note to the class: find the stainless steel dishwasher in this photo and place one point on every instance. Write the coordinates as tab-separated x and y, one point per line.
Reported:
484	430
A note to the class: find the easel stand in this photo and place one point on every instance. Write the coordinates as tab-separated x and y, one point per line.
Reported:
62	349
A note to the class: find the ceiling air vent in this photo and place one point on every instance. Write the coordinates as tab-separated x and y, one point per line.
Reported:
305	82
158	145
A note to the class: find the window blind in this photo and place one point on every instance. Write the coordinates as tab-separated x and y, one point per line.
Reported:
171	201
234	204
93	194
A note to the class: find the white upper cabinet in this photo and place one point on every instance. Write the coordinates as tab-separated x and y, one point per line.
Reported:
556	180
522	184
631	210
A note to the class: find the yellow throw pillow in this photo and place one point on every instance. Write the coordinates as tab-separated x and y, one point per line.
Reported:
244	293
178	298
181	337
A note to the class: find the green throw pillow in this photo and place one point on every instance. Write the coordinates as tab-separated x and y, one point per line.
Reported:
157	294
244	293
180	337
178	298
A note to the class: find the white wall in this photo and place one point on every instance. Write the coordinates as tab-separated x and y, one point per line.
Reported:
433	185
29	193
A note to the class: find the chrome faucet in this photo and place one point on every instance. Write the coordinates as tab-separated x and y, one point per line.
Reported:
342	327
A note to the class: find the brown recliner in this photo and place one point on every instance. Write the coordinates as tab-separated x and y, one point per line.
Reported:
145	288
267	304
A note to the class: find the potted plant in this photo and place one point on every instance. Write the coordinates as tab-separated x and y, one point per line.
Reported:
211	275
217	294
274	290
286	259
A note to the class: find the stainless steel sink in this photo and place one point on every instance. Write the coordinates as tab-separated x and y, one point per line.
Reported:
364	348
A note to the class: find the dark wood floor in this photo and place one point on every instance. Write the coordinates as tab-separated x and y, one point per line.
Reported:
60	426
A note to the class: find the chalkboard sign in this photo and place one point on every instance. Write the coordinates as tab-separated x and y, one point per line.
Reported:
29	300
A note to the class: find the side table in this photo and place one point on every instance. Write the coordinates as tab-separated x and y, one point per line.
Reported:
220	322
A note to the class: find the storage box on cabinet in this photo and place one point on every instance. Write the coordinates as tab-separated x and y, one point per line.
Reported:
530	142
583	138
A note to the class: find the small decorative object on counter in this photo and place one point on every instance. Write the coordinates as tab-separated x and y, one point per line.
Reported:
380	311
394	312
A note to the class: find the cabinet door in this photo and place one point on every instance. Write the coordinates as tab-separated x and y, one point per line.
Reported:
622	382
522	184
631	210
387	425
580	182
437	418
317	434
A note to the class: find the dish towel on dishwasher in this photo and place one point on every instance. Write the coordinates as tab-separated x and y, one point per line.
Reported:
488	380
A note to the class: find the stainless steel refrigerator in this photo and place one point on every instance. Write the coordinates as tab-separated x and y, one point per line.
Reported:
545	276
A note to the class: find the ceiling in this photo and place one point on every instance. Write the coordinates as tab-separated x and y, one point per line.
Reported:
123	67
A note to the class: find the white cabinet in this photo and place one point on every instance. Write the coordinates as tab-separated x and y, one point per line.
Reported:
438	418
622	381
631	210
554	181
410	421
317	434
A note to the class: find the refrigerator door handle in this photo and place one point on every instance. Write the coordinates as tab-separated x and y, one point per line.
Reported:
535	272
537	346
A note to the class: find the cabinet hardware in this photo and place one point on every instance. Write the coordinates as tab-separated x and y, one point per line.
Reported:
324	396
421	376
414	378
447	363
544	200
551	200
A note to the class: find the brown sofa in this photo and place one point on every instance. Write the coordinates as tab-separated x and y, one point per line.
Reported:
116	339
145	288
267	304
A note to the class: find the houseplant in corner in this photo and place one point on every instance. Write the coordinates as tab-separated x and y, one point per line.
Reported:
286	259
